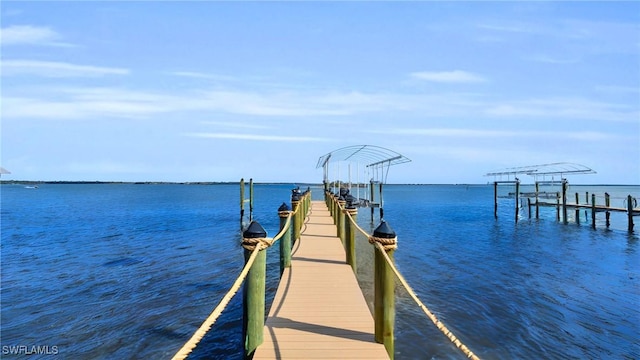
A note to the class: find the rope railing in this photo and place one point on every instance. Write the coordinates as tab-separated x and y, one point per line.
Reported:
380	246
255	246
188	347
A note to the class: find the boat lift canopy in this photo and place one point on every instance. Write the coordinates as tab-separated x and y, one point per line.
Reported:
375	158
561	168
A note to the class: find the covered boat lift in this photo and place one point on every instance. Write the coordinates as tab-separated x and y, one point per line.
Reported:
543	171
370	161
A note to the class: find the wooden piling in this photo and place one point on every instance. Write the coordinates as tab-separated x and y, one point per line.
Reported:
593	211
341	219
285	241
517	199
381	203
251	199
296	220
254	292
577	208
384	302
557	206
630	212
350	238
384	288
495	200
537	207
241	202
607	203
371	199
564	201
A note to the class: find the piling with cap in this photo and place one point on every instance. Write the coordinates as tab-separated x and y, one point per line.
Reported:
285	241
340	218
254	288
297	215
384	287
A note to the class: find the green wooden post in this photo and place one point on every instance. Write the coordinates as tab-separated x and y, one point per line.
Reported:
517	199
254	290
577	208
350	237
495	199
335	209
295	203
241	202
557	206
285	241
630	206
593	211
381	203
341	219
371	199
251	199
607	203
564	200
384	290
537	207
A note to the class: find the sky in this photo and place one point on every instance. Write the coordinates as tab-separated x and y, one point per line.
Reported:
218	91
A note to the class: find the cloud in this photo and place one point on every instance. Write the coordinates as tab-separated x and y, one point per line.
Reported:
565	108
30	35
455	76
56	69
542	58
234	124
256	137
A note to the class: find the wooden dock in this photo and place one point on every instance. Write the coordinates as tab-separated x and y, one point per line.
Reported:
319	311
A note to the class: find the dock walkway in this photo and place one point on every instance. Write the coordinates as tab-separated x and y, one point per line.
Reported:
319	310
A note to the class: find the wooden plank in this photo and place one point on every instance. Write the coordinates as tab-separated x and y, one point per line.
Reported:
319	311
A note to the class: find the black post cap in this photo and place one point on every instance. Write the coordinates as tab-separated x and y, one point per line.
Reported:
255	230
284	207
384	231
295	197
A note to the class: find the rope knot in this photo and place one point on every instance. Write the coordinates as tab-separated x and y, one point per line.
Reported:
387	243
251	243
284	214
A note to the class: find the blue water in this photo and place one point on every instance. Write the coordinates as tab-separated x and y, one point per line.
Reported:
130	271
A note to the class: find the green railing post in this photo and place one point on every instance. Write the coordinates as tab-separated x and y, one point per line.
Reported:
607	203
517	199
285	241
371	199
340	217
241	201
250	199
254	289
593	211
630	206
564	200
334	209
537	208
577	208
297	217
384	288
350	237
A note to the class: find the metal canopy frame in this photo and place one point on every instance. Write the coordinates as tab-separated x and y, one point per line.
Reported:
560	168
374	157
